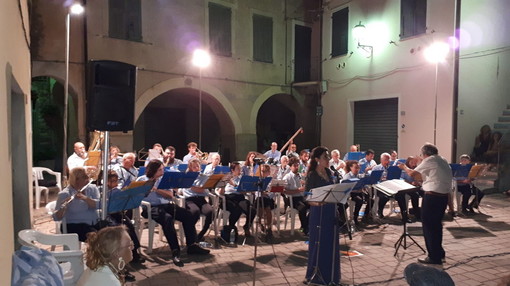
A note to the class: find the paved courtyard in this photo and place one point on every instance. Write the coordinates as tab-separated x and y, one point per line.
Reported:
477	253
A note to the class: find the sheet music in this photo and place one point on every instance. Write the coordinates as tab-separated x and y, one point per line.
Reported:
335	193
391	187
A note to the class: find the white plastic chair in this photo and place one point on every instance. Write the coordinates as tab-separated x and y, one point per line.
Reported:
291	213
38	174
70	259
151	225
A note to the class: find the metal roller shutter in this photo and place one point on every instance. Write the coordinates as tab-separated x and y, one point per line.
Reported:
375	125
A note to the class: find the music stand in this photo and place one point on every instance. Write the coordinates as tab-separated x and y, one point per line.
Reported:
390	188
127	199
173	180
335	194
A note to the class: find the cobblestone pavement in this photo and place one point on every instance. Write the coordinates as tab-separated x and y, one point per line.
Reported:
477	253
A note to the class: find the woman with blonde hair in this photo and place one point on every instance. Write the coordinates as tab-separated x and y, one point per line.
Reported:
108	252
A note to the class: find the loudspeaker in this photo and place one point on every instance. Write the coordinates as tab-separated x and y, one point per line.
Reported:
111	96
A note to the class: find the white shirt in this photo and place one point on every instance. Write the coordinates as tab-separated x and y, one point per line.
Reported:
436	174
293	182
102	276
75	161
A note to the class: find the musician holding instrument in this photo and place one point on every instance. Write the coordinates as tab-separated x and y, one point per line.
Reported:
126	171
359	196
283	168
250	168
169	159
195	198
273	155
292	151
295	189
236	202
192	152
336	162
164	212
265	205
78	158
115	158
78	204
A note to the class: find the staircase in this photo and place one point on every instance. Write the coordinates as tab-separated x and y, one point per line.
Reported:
503	124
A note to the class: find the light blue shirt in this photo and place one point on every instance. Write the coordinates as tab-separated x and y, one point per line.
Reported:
275	155
153	197
78	211
232	189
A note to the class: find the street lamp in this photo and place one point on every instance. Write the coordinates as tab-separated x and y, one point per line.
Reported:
201	59
75	9
436	53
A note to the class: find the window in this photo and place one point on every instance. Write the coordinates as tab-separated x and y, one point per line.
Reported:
413	18
262	38
220	30
125	19
340	31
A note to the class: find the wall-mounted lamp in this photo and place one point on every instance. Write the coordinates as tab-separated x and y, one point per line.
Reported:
359	33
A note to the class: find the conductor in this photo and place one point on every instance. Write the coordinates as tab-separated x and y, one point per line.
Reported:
437	181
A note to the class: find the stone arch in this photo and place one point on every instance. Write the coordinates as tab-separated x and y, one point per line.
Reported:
265	95
176	83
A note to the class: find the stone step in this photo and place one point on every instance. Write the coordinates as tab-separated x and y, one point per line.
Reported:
501	126
504	119
506	112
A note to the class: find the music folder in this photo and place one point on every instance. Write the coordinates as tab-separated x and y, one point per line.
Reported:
394	172
391	187
355	156
210	181
248	184
461	172
129	198
335	193
277	186
173	180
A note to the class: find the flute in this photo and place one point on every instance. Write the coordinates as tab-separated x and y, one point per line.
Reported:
64	204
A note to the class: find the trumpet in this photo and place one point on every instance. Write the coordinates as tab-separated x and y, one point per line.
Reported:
202	155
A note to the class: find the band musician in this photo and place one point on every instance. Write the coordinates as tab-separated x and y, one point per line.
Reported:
78	158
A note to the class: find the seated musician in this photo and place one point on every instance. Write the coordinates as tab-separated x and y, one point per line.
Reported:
283	168
399	197
295	188
353	148
304	157
78	158
273	155
119	218
394	157
158	153
292	151
195	199
337	163
236	203
115	158
250	168
215	162
126	171
192	152
368	162
467	189
358	196
78	204
164	212
169	159
411	162
266	204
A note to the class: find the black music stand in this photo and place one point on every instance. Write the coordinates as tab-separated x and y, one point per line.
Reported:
335	194
402	241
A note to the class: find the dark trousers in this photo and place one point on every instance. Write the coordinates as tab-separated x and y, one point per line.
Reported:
120	218
166	214
81	229
400	197
197	206
237	204
467	191
433	207
302	207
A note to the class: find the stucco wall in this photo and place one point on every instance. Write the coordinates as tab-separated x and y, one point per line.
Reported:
396	69
14	82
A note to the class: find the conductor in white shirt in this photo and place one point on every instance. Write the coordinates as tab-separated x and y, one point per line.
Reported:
437	182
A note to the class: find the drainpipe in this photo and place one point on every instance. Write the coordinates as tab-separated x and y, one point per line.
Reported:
456	81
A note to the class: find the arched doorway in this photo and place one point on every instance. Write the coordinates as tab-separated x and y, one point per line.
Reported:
172	119
278	119
47	96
